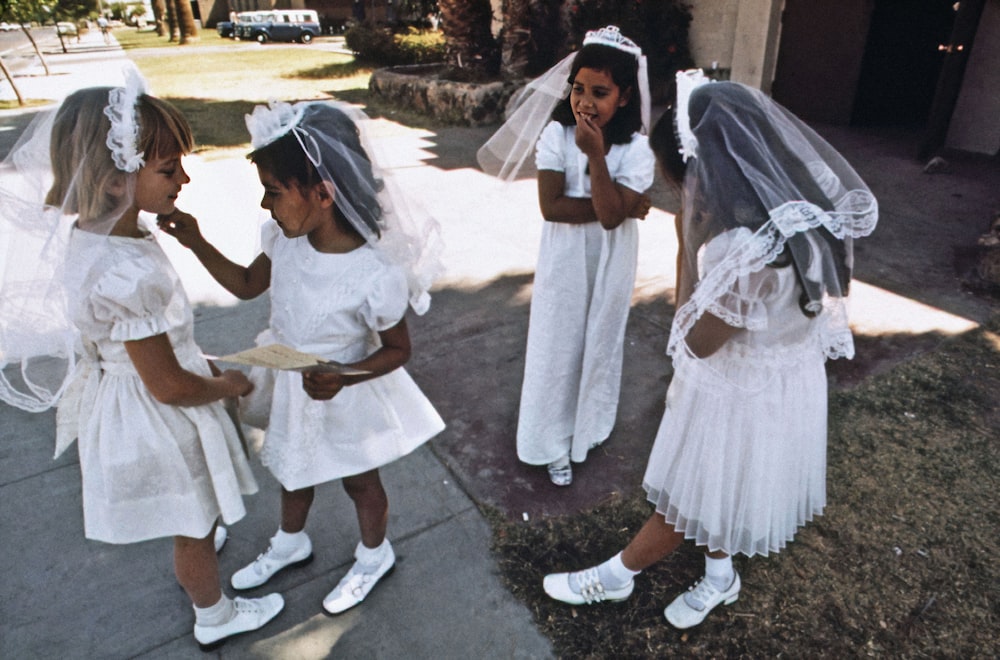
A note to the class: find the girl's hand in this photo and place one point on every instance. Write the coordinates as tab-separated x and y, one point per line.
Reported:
589	138
322	385
182	226
241	384
641	207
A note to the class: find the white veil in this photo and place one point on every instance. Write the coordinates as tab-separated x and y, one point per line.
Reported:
334	137
530	111
753	166
45	190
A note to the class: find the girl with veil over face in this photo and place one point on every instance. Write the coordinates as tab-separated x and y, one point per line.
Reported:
97	320
769	213
343	256
586	121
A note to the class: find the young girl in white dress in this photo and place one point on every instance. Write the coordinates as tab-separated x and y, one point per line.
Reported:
769	211
594	166
159	454
342	272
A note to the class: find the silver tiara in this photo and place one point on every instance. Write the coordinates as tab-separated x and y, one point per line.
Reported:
123	136
613	37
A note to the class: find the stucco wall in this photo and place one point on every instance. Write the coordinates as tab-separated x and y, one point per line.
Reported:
974	125
713	30
739	35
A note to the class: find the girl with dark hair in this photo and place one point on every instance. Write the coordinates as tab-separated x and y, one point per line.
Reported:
594	166
769	213
342	271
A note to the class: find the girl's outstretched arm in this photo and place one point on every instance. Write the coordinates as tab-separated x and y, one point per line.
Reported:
173	385
244	282
394	353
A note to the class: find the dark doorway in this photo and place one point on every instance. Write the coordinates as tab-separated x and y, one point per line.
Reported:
902	61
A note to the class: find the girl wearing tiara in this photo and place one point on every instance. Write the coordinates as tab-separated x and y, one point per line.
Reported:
769	213
342	268
159	455
594	166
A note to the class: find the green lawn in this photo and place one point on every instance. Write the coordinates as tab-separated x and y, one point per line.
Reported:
216	81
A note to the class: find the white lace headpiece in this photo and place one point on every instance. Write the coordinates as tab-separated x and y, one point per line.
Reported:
687	82
394	225
530	111
123	136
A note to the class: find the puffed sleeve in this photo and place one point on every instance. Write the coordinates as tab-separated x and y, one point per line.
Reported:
269	232
638	165
134	298
744	303
387	299
549	153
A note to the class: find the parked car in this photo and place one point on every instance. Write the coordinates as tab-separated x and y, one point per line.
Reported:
7	27
280	25
66	29
226	29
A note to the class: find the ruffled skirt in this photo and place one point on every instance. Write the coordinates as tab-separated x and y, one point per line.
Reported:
739	461
152	470
365	426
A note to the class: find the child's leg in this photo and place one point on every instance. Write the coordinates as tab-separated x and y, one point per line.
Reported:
295	505
289	547
374	555
371	504
655	540
197	569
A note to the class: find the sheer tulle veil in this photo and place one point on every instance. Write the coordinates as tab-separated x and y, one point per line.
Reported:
753	166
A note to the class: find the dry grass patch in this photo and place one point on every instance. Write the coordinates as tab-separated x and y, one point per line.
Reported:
902	564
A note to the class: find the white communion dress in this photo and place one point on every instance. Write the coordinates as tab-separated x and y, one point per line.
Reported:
149	469
579	307
334	306
739	461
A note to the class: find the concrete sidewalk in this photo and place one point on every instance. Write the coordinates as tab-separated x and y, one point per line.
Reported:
63	596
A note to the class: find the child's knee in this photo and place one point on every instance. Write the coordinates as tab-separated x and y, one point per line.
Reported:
364	486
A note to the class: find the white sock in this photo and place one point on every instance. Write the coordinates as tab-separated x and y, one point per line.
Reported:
285	543
614	574
719	572
369	559
214	615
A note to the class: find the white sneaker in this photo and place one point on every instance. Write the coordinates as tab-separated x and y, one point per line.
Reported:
270	562
221	534
583	588
355	586
248	614
691	607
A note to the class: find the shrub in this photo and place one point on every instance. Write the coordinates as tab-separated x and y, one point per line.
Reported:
379	46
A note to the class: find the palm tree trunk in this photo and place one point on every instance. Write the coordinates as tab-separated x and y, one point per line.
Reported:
172	20
38	51
467	31
160	16
185	21
515	41
10	78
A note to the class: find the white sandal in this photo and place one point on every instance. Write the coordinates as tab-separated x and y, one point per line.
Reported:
561	475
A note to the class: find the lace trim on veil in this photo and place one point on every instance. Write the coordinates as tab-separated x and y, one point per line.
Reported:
856	216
